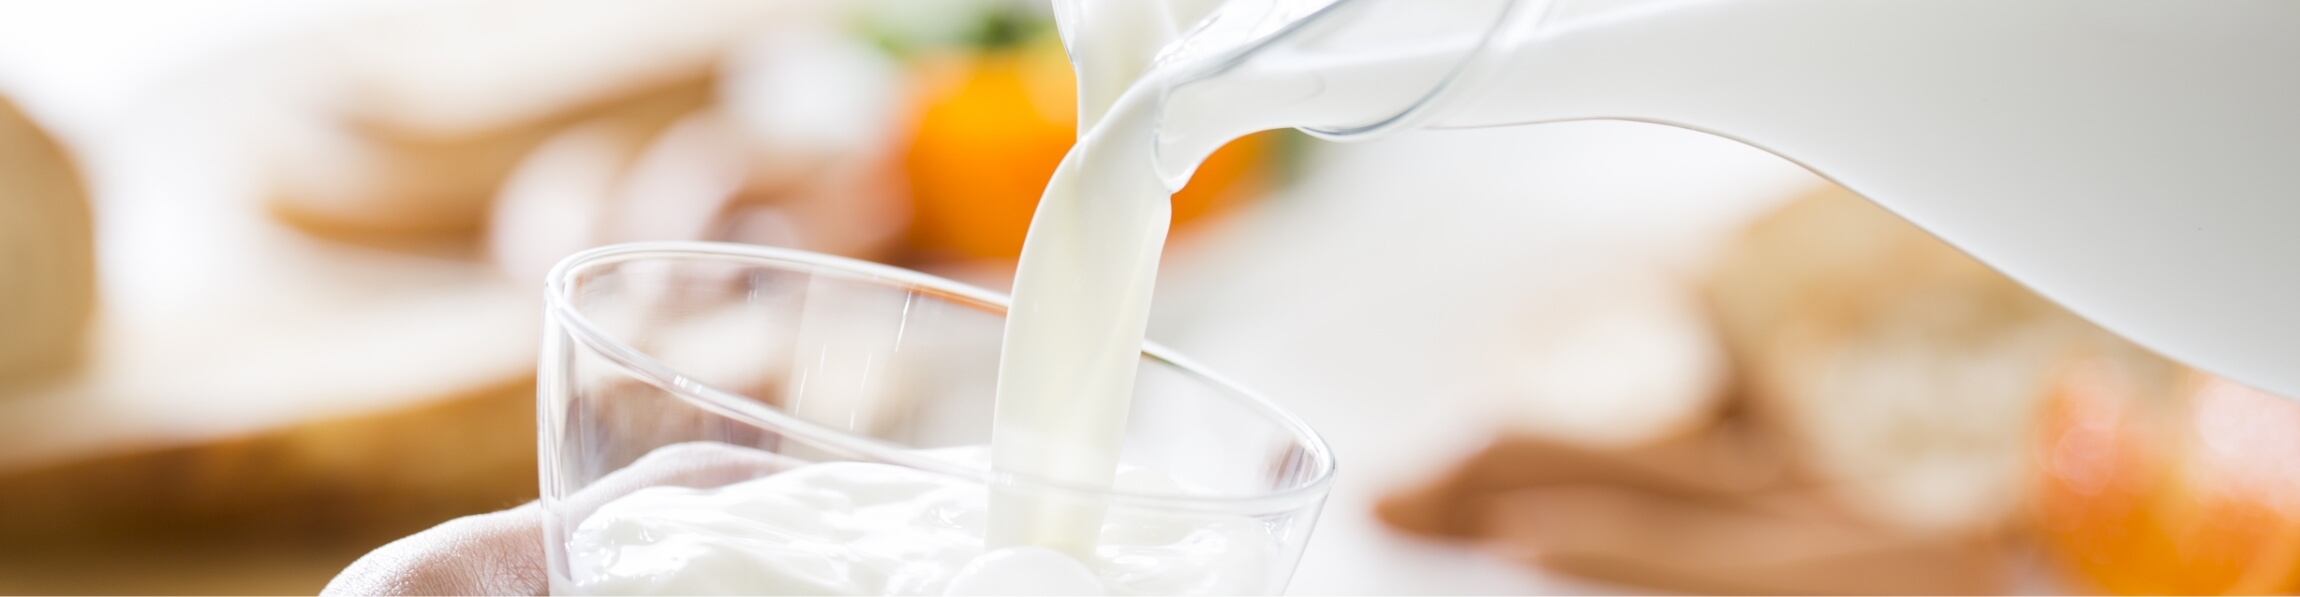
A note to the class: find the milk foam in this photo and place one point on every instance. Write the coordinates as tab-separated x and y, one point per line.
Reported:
858	528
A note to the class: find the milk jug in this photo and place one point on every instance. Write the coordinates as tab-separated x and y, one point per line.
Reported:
2136	161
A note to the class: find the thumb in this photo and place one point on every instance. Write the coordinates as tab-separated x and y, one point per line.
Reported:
498	553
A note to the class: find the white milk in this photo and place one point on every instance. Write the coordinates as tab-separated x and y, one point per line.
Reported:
1082	286
1074	334
855	528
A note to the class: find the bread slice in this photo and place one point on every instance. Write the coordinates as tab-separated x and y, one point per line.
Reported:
47	255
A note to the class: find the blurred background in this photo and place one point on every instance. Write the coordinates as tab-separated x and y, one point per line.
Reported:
269	278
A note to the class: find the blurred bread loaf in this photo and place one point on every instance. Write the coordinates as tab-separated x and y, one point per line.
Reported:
427	113
47	254
1907	374
368	180
1874	433
798	152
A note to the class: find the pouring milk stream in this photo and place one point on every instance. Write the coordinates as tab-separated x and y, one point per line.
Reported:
2133	160
1082	288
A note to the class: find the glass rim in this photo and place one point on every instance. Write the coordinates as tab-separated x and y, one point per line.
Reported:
563	315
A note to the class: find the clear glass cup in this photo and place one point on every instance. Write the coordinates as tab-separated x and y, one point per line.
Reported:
703	365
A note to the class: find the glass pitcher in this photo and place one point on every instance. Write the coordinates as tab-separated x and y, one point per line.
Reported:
2136	161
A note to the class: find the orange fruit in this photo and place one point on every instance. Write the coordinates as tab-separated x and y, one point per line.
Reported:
992	126
2198	494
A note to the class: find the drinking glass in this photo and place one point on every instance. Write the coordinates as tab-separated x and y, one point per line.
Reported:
706	364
